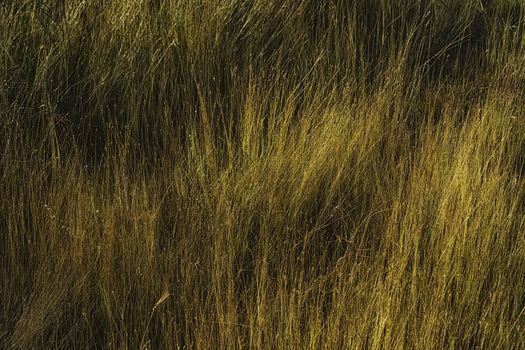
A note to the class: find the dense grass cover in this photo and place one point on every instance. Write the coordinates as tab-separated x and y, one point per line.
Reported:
230	174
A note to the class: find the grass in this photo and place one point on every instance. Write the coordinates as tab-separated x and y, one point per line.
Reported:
262	174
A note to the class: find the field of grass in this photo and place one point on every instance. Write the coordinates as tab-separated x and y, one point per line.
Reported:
258	174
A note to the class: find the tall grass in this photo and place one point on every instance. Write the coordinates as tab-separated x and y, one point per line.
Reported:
262	174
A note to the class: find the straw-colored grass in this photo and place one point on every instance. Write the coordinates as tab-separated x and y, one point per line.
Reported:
223	174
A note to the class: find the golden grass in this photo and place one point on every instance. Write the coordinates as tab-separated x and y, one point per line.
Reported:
258	174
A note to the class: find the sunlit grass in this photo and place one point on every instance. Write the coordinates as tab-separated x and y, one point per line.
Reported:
233	174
